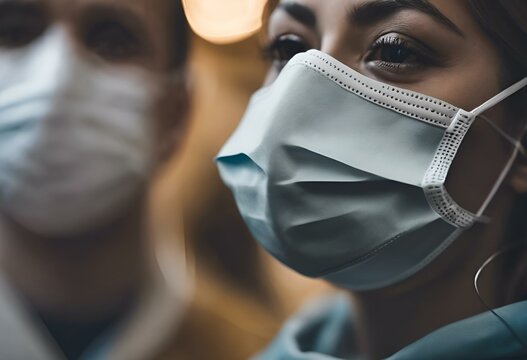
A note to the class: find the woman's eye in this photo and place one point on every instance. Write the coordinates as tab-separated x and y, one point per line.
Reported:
283	48
114	41
394	53
20	23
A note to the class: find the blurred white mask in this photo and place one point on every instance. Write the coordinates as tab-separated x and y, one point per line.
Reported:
76	137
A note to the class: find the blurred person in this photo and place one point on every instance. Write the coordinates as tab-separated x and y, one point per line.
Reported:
387	157
92	98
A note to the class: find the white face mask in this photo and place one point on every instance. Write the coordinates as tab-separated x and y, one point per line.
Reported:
343	177
76	138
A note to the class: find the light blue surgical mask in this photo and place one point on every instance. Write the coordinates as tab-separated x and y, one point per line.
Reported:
343	177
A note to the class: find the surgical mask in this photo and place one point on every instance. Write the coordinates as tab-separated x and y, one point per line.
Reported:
343	177
75	137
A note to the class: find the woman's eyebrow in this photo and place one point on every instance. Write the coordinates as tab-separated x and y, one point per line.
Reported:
299	12
371	12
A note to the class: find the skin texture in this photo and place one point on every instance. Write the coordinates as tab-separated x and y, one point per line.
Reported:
87	277
463	68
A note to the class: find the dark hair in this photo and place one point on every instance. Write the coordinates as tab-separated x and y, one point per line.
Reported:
505	21
180	42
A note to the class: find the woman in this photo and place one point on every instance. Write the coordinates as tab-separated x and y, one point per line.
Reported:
389	162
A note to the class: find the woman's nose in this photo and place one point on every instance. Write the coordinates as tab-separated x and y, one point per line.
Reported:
335	46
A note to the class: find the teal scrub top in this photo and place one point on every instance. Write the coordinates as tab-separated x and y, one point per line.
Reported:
324	332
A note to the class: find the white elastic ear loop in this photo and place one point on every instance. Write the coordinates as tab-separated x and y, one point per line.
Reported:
499	181
509	138
518	148
500	97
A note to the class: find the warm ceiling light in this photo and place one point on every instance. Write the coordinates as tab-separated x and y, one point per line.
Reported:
224	21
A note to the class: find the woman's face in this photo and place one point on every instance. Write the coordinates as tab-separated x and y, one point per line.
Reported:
432	47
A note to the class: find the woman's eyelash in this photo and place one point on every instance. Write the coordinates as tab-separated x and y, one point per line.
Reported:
396	45
394	42
390	52
397	54
284	47
268	50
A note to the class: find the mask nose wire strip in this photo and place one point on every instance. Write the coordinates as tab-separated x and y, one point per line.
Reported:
500	97
478	293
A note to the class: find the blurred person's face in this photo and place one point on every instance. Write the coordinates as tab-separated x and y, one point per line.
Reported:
120	32
89	98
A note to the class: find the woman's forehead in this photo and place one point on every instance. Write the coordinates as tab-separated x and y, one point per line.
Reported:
322	7
455	14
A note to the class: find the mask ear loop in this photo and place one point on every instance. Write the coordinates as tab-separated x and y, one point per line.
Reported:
513	141
485	304
500	97
518	148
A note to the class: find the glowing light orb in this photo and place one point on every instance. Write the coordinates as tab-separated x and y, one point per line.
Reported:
224	21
